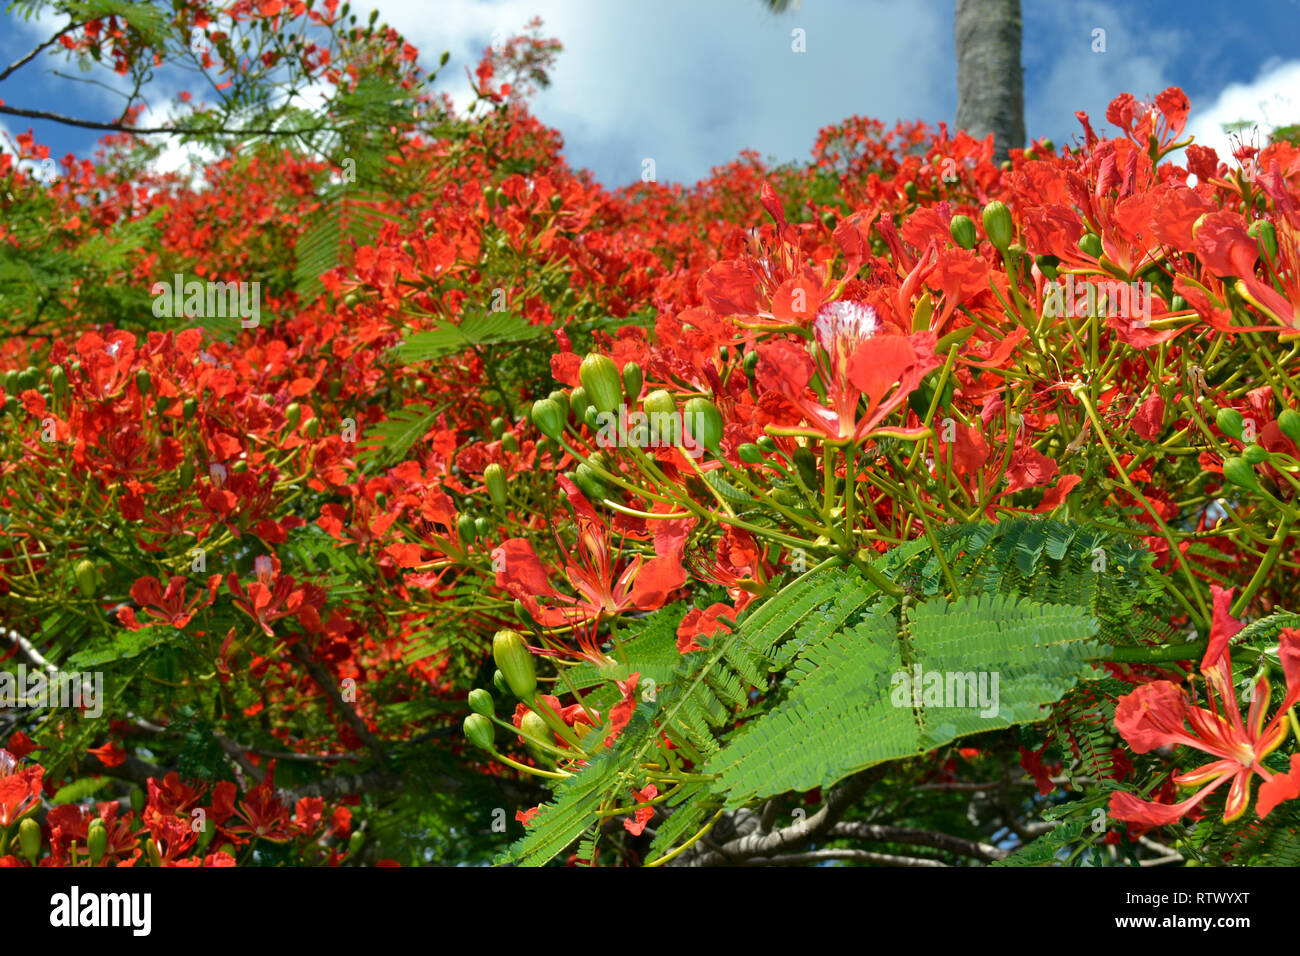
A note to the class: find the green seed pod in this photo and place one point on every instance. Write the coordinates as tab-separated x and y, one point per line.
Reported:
480	701
497	426
29	839
600	378
509	442
1090	243
998	225
548	417
356	842
292	416
515	661
750	363
97	840
704	422
1230	422
465	527
1266	234
87	578
479	731
494	476
1289	422
482	527
59	382
499	682
633	379
963	231
806	464
750	454
1254	454
1240	473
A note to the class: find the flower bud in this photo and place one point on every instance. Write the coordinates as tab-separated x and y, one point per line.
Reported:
548	417
87	578
704	422
600	378
292	416
1230	422
479	731
509	442
998	225
494	476
633	379
1240	473
59	382
465	527
1266	234
482	527
1254	454
356	842
515	662
97	840
534	725
1289	422
579	403
499	682
189	408
750	363
559	397
1090	243
480	701
142	381
963	231
29	839
589	482
750	454
498	426
137	799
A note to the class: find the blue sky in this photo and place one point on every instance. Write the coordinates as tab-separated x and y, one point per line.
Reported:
690	83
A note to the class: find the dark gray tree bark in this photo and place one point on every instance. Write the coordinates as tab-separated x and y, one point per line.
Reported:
990	81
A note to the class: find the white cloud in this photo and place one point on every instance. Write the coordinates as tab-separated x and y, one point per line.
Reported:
691	84
1272	99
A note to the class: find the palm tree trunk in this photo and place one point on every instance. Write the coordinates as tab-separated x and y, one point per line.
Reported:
990	82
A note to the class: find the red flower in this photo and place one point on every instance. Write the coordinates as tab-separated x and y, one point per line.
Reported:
169	606
1157	715
643	815
20	790
603	587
